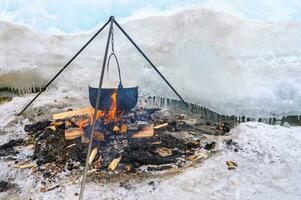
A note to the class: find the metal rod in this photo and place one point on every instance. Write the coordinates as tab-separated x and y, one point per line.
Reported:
82	189
66	65
150	62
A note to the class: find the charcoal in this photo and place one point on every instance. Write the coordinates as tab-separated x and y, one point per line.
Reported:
210	146
7	149
144	156
158	168
4	186
231	145
136	153
143	152
12	143
37	126
151	110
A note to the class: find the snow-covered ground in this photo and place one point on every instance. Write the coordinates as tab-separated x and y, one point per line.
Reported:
269	163
268	168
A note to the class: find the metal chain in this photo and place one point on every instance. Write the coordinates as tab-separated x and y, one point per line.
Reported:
112	51
112	40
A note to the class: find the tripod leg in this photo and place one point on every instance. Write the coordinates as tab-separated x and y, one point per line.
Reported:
95	111
66	65
150	62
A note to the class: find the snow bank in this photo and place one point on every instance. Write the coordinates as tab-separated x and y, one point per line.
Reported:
231	65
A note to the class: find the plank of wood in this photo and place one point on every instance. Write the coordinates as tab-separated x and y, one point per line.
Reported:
114	164
73	133
160	126
92	155
82	111
26	165
146	132
98	136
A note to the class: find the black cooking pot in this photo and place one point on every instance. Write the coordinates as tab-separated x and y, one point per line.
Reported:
126	97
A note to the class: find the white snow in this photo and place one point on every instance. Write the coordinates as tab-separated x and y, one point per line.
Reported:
232	65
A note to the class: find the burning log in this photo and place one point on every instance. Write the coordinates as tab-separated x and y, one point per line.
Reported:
73	133
114	164
83	111
146	132
98	136
161	126
123	128
92	155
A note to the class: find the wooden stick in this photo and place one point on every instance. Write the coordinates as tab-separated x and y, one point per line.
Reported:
146	132
82	111
92	155
73	133
114	164
160	126
98	136
23	166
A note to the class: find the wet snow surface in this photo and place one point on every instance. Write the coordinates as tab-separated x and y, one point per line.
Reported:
268	158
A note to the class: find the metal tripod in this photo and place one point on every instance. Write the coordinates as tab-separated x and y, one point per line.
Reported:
111	21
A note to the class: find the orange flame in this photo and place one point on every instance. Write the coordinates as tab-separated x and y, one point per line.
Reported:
99	114
113	107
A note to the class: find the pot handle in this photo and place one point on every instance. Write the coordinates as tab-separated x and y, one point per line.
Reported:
108	66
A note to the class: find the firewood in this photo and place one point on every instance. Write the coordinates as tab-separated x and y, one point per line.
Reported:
146	132
160	126
68	123
71	145
30	147
57	123
26	165
164	152
52	128
82	111
231	164
73	133
123	128
46	189
85	140
116	129
92	155
128	168
157	142
114	164
98	136
196	156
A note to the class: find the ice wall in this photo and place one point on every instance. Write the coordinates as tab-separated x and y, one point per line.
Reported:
231	65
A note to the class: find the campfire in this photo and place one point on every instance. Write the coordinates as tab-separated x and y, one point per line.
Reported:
144	140
114	136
